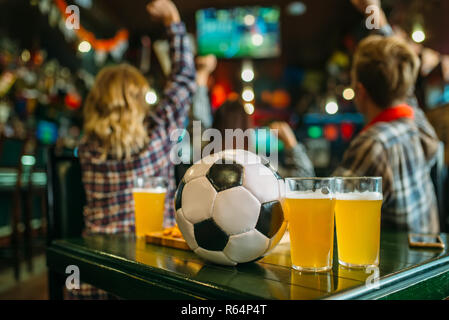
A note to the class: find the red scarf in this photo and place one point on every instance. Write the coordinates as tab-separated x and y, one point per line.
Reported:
393	113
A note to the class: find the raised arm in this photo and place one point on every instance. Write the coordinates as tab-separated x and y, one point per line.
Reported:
171	113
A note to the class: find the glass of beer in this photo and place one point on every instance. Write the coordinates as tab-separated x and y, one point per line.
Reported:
309	206
149	198
357	216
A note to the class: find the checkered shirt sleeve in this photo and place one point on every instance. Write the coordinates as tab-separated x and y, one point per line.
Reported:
394	152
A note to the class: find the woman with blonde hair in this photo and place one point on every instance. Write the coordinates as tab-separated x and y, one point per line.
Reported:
124	139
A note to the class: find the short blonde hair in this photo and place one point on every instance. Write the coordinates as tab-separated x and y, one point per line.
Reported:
115	110
387	67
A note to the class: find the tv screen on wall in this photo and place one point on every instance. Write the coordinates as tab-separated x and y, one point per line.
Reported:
240	32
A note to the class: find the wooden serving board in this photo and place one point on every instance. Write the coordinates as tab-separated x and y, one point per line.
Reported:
167	241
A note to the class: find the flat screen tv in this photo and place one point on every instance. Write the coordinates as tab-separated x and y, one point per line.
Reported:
240	32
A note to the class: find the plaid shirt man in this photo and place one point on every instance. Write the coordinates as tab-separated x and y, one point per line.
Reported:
108	184
402	152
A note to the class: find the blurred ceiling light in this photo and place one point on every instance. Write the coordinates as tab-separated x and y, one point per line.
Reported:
315	132
418	34
248	94
247	75
249	108
151	97
249	19
25	56
247	70
331	107
348	94
257	39
296	8
28	160
84	46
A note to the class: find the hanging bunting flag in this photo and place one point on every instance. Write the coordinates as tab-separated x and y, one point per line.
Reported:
120	49
118	42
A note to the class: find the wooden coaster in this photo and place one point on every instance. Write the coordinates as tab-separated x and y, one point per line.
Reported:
167	241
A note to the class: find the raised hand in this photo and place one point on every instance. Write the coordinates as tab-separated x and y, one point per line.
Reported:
206	63
164	10
361	5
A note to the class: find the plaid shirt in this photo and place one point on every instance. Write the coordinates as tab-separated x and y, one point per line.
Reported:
108	184
402	152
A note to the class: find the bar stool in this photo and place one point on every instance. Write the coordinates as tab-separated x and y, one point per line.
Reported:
66	200
11	151
36	186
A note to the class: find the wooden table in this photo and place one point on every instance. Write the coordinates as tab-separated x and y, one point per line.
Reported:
132	269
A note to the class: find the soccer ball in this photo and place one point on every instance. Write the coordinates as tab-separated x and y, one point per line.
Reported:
228	207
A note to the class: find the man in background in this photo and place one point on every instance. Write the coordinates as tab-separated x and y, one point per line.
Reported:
397	143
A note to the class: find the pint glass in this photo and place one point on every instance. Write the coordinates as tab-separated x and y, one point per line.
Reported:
357	216
309	204
149	198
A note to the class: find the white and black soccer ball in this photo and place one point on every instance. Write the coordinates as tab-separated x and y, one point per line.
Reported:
228	207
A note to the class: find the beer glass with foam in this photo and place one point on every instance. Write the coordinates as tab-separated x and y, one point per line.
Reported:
149	198
309	205
357	216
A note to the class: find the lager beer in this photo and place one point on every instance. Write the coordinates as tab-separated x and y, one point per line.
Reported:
310	214
357	216
149	200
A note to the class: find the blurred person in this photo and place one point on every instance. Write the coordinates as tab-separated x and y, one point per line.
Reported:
201	109
296	162
398	143
232	115
392	145
125	139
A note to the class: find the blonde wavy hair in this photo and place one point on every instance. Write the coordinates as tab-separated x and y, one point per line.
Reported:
115	110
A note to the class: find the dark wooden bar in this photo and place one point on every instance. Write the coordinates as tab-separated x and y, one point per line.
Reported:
133	269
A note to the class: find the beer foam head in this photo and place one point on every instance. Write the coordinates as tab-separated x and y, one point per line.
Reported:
317	194
150	190
359	196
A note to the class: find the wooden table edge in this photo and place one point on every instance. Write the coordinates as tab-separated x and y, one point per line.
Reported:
181	287
400	281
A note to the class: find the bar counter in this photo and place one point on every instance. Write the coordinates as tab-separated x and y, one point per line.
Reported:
133	269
